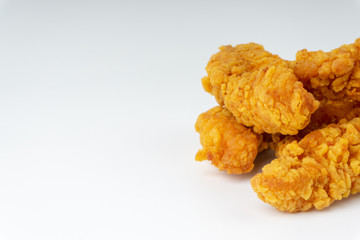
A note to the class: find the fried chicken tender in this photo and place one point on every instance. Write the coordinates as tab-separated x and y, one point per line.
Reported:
259	89
227	144
331	75
314	172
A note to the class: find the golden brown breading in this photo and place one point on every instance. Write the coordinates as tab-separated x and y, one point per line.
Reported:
331	75
259	89
278	141
331	111
321	168
227	144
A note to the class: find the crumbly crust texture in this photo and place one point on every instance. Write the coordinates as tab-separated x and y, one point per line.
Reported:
229	145
331	75
259	89
307	110
314	172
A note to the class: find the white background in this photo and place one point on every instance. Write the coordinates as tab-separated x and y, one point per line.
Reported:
98	101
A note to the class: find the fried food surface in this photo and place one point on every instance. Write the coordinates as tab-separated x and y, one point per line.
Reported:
307	110
331	75
331	111
259	89
227	144
322	167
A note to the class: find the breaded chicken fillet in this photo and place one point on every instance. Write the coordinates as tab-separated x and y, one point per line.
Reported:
314	172
227	144
259	89
331	75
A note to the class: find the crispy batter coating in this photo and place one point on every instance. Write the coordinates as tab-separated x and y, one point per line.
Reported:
331	111
331	75
321	168
278	142
259	89
227	144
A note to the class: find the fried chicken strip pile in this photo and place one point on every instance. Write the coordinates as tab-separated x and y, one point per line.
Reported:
227	144
315	132
321	168
331	75
259	89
